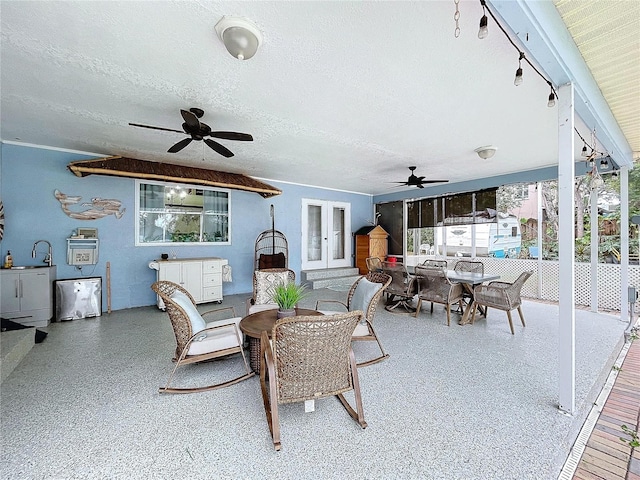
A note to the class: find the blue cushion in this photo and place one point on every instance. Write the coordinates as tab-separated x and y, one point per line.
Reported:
197	322
363	295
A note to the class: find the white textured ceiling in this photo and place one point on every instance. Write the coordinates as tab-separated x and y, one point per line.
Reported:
344	95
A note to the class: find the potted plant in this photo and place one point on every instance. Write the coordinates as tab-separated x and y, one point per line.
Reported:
287	296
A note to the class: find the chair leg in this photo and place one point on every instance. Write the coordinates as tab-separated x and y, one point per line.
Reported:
385	355
357	414
521	315
510	322
418	307
431	308
448	315
270	400
473	308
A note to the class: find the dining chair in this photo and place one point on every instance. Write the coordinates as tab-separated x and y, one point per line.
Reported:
434	286
402	286
374	264
435	264
469	266
363	295
196	340
263	282
501	295
308	358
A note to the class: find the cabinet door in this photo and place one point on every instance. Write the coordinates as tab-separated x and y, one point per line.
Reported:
9	292
171	271
36	291
192	279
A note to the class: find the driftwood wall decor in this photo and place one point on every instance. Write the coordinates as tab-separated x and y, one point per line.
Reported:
99	207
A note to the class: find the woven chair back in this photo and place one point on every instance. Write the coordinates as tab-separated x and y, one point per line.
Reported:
374	277
179	319
374	264
469	266
435	264
311	355
432	284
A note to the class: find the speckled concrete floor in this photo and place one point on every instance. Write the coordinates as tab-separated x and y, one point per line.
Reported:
470	402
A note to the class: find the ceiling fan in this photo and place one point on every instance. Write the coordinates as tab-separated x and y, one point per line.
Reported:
419	182
198	130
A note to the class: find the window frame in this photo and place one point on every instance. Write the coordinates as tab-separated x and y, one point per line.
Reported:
139	210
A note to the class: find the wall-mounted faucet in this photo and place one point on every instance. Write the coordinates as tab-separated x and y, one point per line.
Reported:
48	259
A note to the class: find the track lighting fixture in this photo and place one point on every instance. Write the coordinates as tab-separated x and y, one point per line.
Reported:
518	79
552	96
484	30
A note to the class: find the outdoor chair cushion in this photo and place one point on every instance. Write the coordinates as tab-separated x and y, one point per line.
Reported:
262	307
217	339
197	322
363	294
264	281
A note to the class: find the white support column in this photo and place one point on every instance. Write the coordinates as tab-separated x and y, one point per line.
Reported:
594	251
539	233
566	250
624	243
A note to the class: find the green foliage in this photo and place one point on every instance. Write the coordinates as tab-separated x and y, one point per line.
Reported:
635	441
288	295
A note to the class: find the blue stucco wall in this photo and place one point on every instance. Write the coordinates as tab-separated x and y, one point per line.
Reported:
29	176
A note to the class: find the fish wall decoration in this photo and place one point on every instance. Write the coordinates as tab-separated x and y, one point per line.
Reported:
100	207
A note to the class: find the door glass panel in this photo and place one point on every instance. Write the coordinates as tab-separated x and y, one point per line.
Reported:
314	237
338	233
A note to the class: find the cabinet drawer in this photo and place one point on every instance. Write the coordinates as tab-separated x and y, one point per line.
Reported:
212	266
211	280
212	294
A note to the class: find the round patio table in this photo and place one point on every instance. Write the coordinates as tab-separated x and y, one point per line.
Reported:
254	324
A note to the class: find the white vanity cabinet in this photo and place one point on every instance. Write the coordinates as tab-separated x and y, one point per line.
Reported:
26	296
201	277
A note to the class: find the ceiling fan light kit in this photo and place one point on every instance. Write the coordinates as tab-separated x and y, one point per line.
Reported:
240	36
486	151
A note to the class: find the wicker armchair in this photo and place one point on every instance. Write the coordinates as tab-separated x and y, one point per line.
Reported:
309	357
501	295
207	341
263	283
434	286
364	295
401	286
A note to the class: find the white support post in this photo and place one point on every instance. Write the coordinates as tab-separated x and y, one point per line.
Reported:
539	233
594	251
624	243
566	250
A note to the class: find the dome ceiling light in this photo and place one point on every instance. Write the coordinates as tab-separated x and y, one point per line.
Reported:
240	36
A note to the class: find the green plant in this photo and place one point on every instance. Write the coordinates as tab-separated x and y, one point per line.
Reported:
288	295
635	441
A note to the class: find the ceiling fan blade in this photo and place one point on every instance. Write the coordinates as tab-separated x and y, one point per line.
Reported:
435	181
190	119
243	137
155	128
180	145
420	185
221	149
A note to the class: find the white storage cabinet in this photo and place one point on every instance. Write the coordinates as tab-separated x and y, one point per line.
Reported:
26	295
201	277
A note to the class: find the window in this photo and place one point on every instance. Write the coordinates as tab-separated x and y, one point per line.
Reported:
172	213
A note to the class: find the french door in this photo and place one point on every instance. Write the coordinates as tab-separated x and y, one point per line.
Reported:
326	234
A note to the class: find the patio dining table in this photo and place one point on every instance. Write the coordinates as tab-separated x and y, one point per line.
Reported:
469	281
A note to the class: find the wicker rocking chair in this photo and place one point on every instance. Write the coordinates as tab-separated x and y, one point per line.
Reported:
208	341
309	357
364	295
501	295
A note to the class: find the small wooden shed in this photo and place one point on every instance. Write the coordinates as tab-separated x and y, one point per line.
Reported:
370	242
